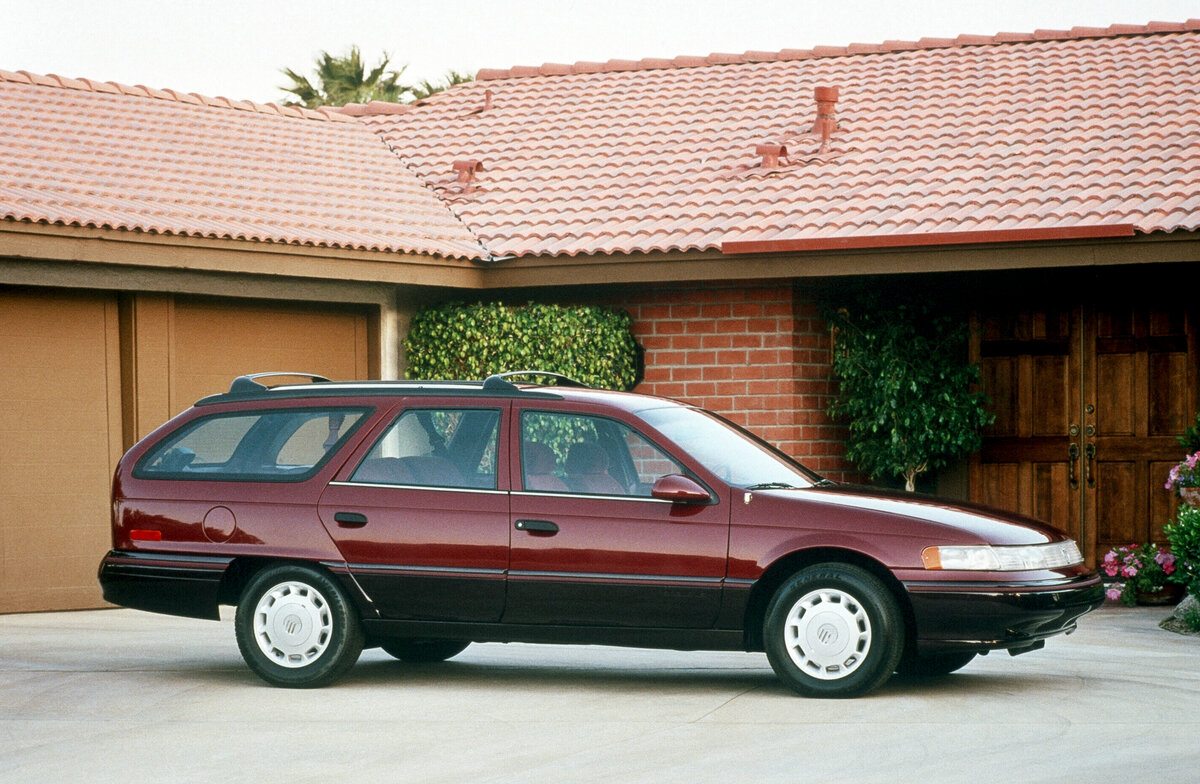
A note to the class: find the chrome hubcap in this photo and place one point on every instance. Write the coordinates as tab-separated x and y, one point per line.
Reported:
293	624
827	634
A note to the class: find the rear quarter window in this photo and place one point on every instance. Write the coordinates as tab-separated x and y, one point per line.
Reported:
281	445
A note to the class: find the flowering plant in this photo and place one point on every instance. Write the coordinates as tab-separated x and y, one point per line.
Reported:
1186	474
1137	568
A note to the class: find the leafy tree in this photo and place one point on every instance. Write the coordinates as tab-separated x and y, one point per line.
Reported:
906	388
340	80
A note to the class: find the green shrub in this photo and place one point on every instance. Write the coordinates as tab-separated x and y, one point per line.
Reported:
591	344
1190	440
1191	617
1184	536
906	388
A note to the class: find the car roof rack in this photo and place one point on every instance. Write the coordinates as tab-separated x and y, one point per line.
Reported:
248	384
499	381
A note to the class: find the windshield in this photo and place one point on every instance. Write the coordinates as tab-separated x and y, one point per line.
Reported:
726	450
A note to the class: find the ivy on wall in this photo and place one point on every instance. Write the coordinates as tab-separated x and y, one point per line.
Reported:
589	343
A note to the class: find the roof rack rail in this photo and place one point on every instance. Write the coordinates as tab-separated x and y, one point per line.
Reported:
499	381
243	385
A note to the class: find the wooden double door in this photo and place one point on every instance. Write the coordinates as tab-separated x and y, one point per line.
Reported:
1088	400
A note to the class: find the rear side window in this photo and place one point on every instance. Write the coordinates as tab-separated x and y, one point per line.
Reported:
286	445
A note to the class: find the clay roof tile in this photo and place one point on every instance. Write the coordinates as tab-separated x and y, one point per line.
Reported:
981	132
129	158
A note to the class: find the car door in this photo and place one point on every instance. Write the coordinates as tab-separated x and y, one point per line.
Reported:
420	512
590	545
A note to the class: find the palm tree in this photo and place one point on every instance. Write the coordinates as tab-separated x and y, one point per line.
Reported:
426	88
343	80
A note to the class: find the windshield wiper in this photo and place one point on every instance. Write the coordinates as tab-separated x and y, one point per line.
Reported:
823	482
772	486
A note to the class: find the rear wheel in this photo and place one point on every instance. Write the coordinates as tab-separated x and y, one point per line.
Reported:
296	628
424	651
833	630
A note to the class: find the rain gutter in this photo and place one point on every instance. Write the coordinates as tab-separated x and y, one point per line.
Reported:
735	247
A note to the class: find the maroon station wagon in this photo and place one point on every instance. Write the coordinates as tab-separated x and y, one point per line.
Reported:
422	516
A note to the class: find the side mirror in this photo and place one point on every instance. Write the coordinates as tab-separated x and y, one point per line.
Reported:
678	489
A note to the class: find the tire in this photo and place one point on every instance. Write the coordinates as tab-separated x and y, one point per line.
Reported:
833	630
933	666
296	628
424	651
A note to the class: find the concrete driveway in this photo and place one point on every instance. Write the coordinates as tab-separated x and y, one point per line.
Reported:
124	696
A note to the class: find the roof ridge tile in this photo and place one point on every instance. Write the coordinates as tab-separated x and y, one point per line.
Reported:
142	91
721	58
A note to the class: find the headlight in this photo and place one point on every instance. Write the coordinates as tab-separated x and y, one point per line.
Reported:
998	558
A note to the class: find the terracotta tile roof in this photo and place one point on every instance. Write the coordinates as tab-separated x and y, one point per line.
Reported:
1083	132
99	154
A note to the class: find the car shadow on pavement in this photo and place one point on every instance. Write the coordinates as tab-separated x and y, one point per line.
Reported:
551	677
614	675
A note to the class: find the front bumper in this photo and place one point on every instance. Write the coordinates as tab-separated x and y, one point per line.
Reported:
960	616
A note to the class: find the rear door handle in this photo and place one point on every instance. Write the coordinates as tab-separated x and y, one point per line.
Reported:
350	519
544	527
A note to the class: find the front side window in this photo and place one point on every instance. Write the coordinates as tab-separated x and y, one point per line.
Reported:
572	453
273	446
448	447
728	451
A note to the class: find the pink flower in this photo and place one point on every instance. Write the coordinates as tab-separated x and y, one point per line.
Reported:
1111	569
1186	474
1114	591
1129	571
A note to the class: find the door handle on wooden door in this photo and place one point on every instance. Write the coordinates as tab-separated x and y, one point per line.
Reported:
1089	451
1073	454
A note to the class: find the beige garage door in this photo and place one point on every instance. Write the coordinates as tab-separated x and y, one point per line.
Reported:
60	437
216	341
86	374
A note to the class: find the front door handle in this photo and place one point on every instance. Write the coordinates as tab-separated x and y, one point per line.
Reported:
350	519
1073	455
1089	452
536	527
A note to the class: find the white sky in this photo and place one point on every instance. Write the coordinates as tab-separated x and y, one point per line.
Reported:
236	48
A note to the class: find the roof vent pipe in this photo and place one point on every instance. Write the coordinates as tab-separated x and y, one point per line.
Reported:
466	173
826	122
771	153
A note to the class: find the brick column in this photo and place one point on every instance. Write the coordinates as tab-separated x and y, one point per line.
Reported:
756	353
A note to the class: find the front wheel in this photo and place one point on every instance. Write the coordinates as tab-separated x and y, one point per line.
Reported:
833	630
296	628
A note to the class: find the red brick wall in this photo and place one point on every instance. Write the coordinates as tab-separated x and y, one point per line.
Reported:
755	353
